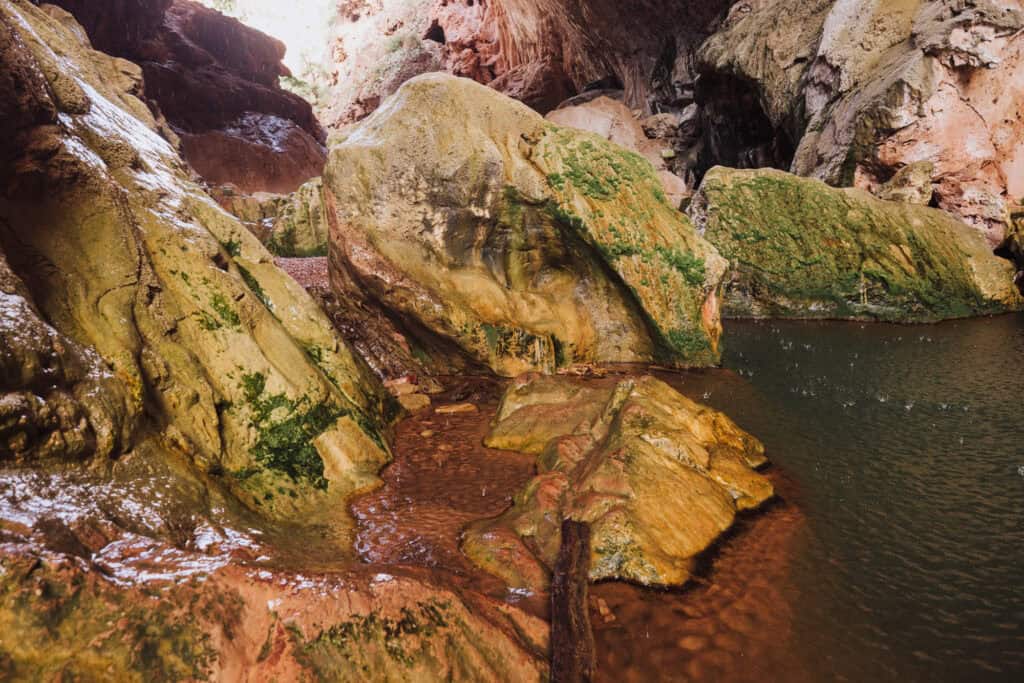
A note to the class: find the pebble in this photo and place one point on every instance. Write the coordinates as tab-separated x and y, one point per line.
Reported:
456	409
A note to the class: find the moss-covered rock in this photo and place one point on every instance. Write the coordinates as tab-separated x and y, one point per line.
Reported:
61	622
300	226
1012	246
657	476
121	252
802	249
526	245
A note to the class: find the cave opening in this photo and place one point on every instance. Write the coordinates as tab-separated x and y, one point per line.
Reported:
435	33
736	130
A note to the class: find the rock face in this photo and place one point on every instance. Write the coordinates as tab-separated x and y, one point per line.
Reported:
522	245
134	308
657	476
853	91
801	249
616	123
1012	246
216	81
77	594
540	52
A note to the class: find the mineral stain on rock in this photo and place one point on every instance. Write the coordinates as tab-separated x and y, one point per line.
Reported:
430	404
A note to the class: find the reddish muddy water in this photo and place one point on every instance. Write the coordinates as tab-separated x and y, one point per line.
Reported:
731	624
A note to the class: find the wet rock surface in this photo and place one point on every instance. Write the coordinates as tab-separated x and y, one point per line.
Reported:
656	476
183	329
216	81
521	245
802	249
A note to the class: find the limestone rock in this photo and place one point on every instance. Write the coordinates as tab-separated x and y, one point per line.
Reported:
851	91
911	184
521	244
802	249
540	52
239	623
182	326
616	123
217	82
657	476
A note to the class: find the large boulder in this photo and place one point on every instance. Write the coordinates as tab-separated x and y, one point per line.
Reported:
802	249
133	302
853	91
615	122
656	476
520	244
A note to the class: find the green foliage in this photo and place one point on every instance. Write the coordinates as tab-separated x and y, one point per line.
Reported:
691	267
254	285
405	640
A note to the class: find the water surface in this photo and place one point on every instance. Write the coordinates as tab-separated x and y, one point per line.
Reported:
906	447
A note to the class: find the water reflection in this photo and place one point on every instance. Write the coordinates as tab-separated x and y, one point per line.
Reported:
905	443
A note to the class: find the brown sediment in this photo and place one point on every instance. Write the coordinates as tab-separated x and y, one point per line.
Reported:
731	623
308	271
573	656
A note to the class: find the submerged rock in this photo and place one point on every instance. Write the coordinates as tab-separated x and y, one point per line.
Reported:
657	476
183	328
802	249
519	244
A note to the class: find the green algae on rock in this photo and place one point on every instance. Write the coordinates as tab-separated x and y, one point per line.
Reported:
119	251
520	244
802	249
59	621
657	476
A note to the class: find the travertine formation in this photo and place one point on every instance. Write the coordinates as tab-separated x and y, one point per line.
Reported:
540	52
135	308
520	244
656	476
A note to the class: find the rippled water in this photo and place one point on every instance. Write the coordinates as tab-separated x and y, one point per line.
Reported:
906	445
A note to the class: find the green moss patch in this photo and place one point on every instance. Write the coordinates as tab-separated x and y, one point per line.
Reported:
287	428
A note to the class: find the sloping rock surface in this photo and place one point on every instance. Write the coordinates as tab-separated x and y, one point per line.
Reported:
135	308
520	244
656	476
800	248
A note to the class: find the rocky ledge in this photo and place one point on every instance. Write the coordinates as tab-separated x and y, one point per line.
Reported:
657	477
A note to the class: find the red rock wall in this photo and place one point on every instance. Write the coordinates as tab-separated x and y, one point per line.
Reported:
216	81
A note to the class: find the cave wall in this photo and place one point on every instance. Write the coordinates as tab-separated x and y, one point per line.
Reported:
540	52
216	82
